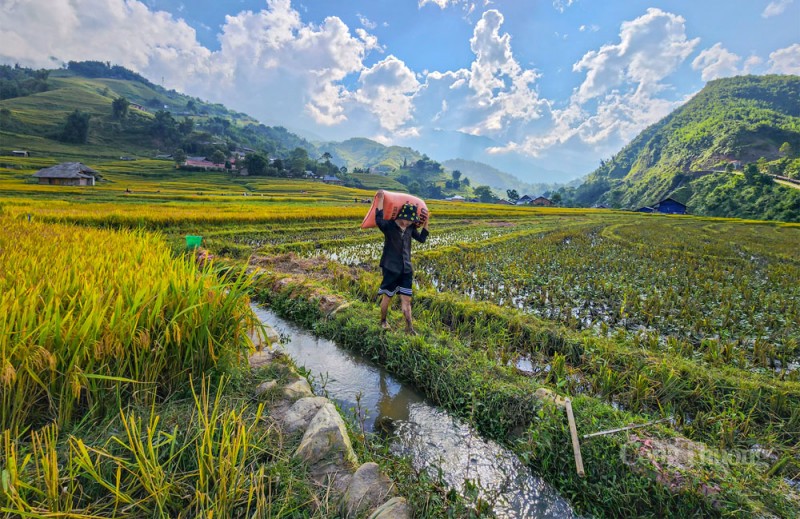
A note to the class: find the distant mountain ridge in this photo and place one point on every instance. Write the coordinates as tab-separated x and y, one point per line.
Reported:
484	174
686	155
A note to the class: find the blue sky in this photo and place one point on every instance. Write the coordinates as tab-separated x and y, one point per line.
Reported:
543	89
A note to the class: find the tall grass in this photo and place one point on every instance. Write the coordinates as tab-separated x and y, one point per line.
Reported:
89	318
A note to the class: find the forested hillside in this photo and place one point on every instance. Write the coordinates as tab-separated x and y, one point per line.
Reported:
699	152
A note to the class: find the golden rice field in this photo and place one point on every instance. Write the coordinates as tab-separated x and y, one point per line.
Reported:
637	317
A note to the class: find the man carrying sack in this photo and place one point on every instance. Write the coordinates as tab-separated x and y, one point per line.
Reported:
396	258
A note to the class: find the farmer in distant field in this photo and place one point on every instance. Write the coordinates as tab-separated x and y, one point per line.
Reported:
396	258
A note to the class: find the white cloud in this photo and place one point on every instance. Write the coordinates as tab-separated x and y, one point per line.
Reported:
270	63
561	5
441	3
126	32
387	89
775	8
716	62
590	28
650	48
786	60
620	94
366	22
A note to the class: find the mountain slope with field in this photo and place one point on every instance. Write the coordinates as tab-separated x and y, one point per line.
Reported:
695	154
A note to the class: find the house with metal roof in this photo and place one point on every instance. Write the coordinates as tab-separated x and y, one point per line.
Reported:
67	174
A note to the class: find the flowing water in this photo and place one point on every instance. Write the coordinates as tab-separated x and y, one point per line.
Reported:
433	439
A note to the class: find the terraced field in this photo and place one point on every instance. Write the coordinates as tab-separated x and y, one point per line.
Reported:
635	317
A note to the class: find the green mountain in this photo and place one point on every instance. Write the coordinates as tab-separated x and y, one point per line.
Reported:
693	155
35	107
484	174
368	154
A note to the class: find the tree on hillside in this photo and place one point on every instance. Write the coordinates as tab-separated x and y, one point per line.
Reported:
256	164
465	181
556	198
299	159
456	174
76	128
786	150
218	157
513	196
186	126
164	128
484	194
179	156
119	108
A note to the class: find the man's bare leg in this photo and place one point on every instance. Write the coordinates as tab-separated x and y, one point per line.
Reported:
385	302
405	304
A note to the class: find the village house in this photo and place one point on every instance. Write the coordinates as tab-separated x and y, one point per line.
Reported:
670	206
329	179
542	201
67	174
524	200
20	153
503	201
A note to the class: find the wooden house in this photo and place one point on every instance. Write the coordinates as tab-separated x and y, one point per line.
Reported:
67	174
542	201
20	153
329	179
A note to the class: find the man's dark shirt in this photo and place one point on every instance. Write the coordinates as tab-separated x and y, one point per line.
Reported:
397	244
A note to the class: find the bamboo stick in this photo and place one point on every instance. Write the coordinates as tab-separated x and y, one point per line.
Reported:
573	431
626	428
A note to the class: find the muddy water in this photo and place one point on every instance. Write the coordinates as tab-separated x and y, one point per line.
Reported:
430	436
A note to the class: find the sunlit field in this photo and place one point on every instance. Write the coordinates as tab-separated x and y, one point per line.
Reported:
636	317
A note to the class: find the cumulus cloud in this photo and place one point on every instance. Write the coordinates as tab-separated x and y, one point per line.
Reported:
620	93
716	62
127	32
650	48
786	60
386	89
264	56
775	8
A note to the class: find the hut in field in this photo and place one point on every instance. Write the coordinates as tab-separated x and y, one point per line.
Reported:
670	206
20	153
502	201
524	200
542	201
68	174
330	179
645	209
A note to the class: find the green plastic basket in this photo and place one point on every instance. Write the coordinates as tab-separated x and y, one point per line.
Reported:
192	242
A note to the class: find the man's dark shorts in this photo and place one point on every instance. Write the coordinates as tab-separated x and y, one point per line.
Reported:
396	283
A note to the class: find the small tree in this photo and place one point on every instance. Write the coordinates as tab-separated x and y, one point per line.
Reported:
465	182
456	174
484	194
513	196
218	157
120	107
786	150
179	156
751	173
256	164
76	128
556	198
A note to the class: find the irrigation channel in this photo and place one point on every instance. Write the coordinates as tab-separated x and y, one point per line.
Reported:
434	440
